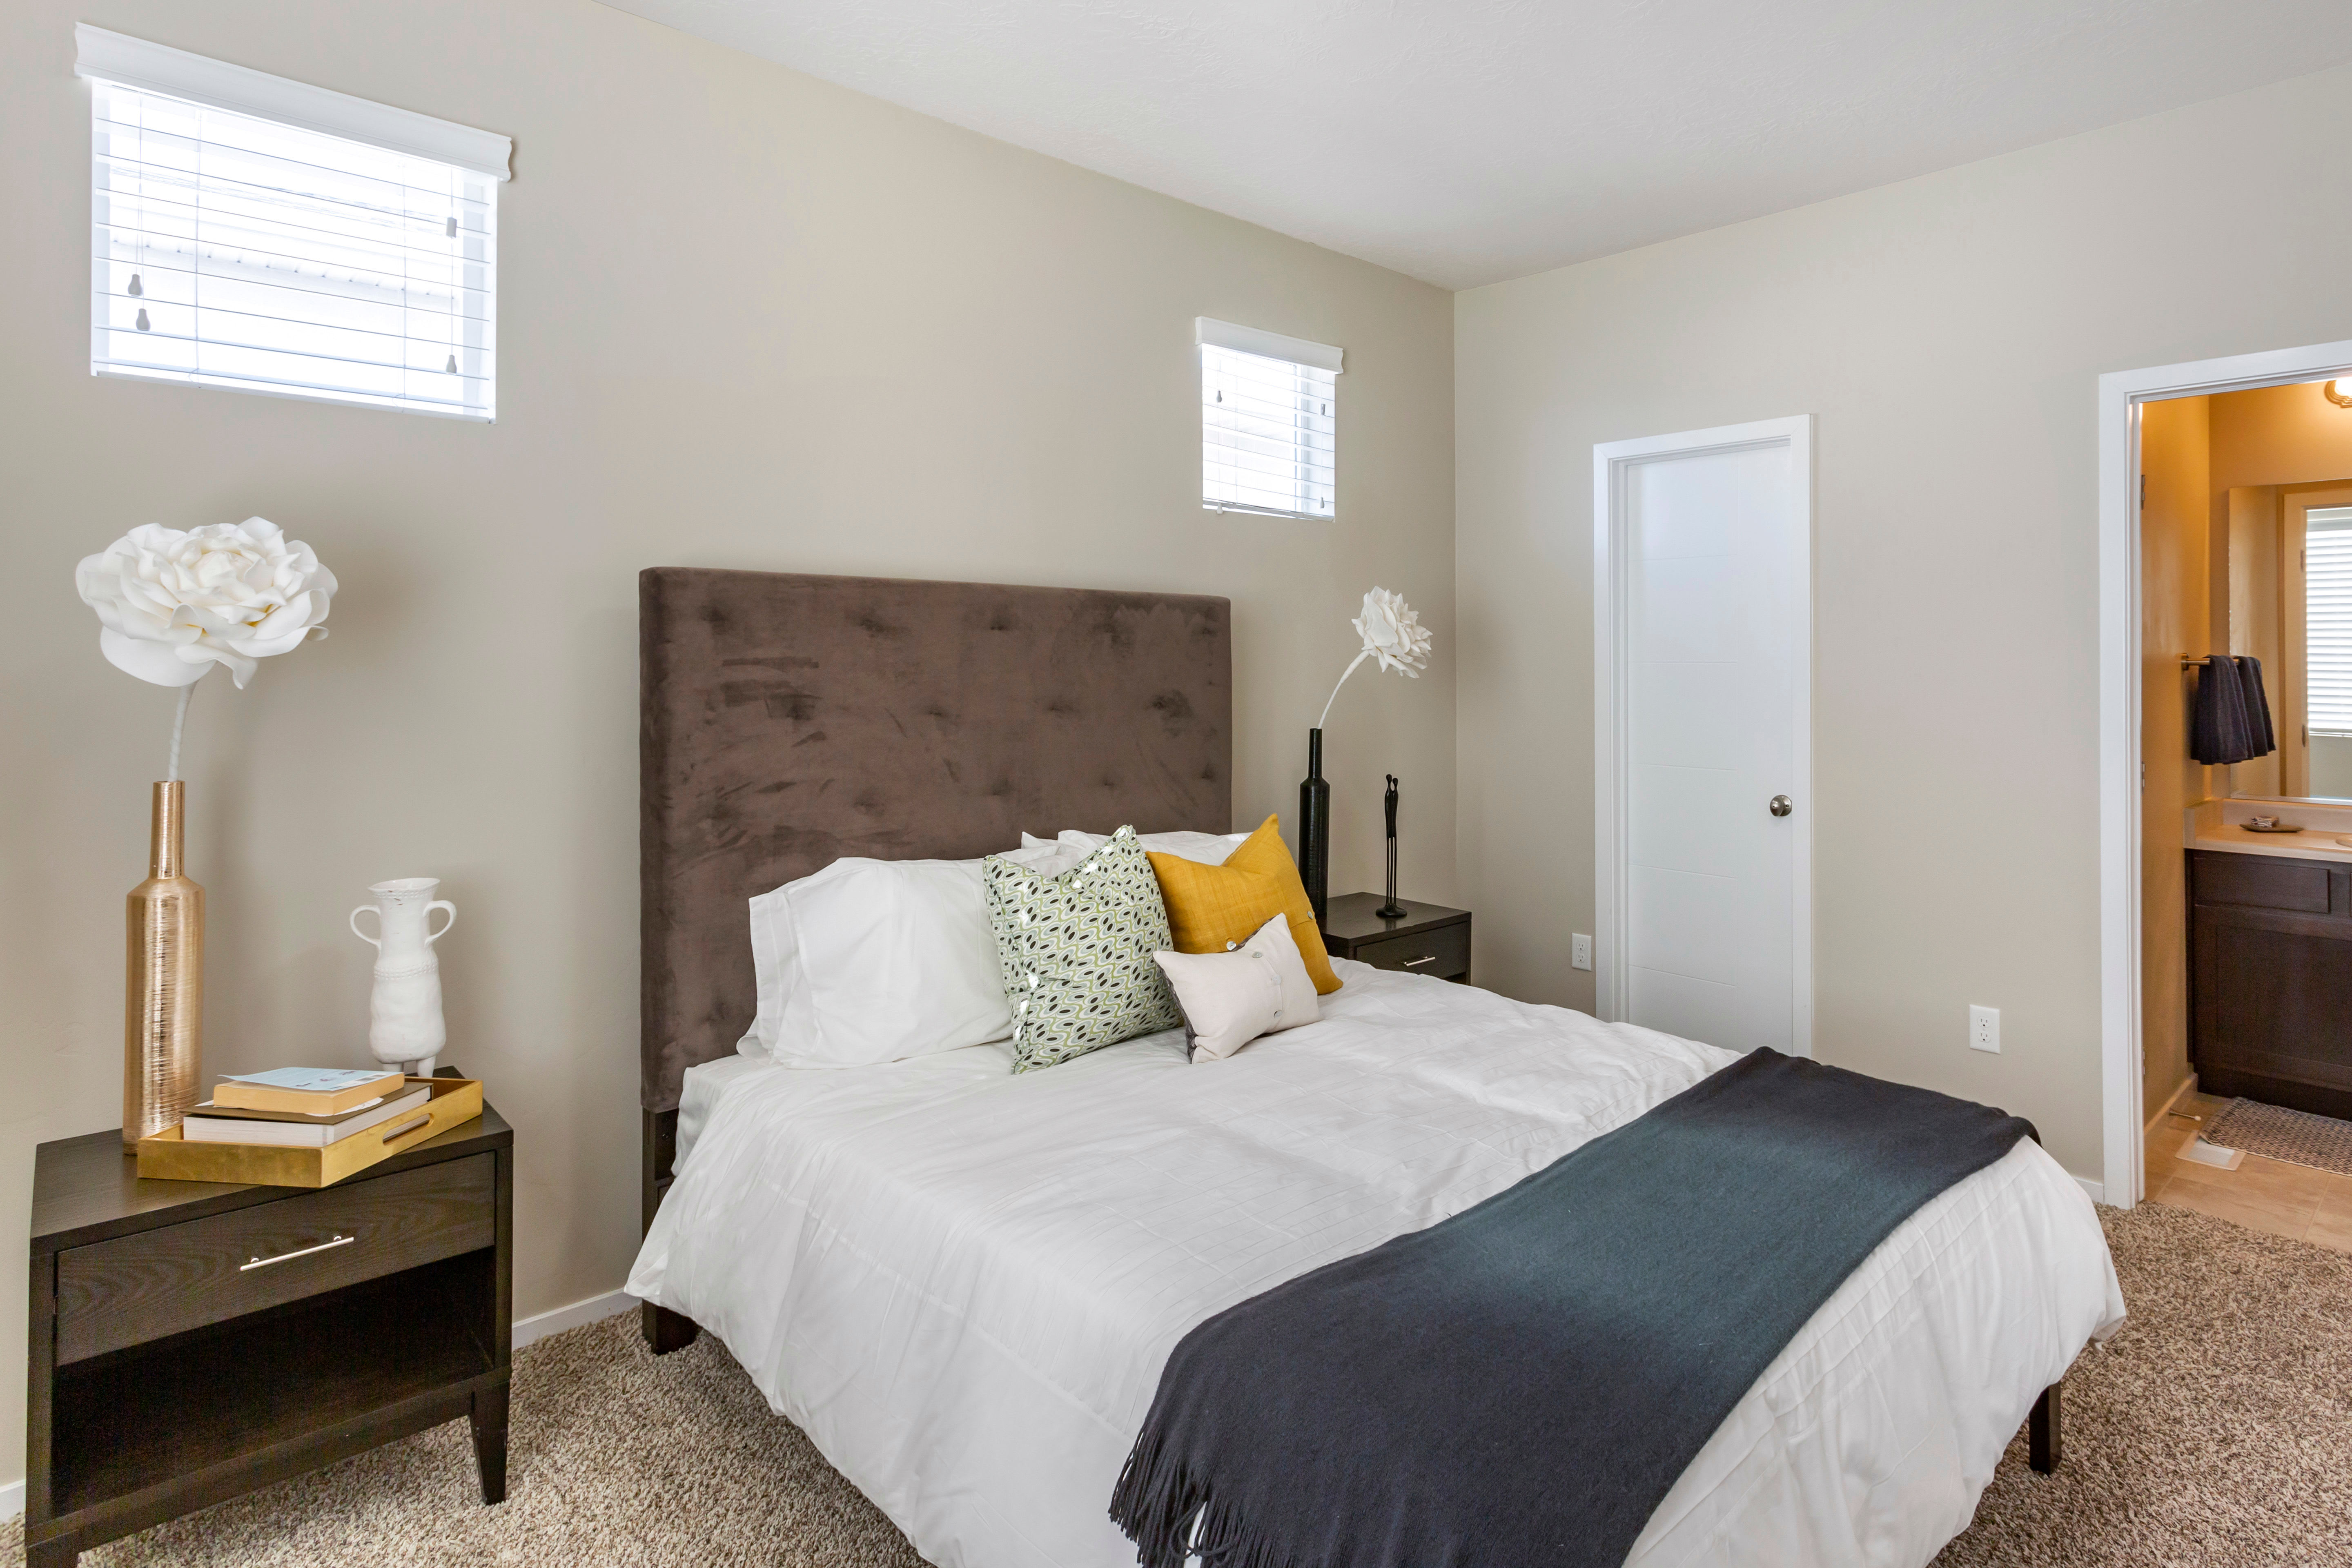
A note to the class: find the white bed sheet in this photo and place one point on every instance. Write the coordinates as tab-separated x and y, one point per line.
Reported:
962	1284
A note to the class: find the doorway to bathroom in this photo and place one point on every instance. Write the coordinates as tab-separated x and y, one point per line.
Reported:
2240	529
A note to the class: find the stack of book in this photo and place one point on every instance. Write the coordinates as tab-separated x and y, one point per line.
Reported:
302	1107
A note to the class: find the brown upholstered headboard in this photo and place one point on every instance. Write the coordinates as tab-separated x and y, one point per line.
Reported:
787	720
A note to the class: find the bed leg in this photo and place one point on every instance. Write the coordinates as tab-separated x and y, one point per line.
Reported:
667	1330
2041	1432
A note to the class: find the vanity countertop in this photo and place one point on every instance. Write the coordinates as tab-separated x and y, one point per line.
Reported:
2311	843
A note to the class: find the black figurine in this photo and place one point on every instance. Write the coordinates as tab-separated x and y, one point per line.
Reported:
1392	909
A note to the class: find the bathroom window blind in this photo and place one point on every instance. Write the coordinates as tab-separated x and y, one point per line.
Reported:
2328	618
1268	422
233	249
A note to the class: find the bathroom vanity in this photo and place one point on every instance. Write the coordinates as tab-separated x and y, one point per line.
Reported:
2270	974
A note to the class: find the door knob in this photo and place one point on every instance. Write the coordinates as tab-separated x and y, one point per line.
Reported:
1782	805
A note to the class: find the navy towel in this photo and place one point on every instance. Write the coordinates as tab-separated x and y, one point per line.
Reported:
2219	731
2258	706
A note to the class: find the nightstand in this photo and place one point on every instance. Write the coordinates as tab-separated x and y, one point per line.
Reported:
1429	938
193	1341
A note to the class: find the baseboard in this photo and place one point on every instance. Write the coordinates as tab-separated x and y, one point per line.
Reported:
2098	1190
2187	1086
595	1309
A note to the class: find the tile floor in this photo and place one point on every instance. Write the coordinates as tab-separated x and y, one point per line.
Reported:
2267	1194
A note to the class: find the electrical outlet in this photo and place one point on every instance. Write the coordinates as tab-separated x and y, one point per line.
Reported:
1579	951
1984	1029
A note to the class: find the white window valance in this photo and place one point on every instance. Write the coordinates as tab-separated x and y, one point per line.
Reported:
1267	345
216	84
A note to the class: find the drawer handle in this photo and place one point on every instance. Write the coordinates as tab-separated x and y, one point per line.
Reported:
406	1128
1412	963
322	1247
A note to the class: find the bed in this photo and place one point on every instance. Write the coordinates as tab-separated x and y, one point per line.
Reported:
962	1283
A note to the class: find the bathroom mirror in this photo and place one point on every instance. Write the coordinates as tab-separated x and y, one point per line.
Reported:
2282	563
2246	552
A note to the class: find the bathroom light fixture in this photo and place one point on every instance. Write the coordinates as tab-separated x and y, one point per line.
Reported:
2338	392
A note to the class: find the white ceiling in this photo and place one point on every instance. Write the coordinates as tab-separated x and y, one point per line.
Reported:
1464	142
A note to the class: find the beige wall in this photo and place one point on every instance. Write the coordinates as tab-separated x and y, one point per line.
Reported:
2176	621
1947	333
2280	436
746	320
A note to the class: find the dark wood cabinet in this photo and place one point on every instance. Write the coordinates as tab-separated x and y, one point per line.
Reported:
1428	939
192	1341
2270	974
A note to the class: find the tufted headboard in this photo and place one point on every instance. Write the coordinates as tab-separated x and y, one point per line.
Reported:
786	721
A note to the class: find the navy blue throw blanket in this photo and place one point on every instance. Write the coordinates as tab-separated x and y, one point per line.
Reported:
1521	1386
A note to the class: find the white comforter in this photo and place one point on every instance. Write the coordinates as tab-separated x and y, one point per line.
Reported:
962	1284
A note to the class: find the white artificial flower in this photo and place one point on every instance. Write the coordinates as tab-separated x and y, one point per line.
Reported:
1393	633
172	604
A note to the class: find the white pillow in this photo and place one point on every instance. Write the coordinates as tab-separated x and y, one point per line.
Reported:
1234	997
1047	857
1208	848
876	961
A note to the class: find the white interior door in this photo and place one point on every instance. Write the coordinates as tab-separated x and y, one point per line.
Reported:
1704	851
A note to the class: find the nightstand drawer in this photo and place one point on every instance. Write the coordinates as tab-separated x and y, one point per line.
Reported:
1444	952
140	1288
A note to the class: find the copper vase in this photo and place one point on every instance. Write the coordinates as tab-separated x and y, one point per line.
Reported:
164	997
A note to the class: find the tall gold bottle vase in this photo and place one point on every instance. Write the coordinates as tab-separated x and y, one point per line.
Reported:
163	1003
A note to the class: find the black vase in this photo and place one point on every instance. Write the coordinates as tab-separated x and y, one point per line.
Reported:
1315	829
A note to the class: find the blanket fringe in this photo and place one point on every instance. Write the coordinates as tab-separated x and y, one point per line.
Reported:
1170	1514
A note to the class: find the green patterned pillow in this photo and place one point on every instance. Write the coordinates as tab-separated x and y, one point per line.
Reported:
1076	951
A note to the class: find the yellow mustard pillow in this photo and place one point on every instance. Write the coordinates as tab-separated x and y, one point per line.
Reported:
1209	906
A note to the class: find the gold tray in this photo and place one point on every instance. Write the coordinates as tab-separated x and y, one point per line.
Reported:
172	1158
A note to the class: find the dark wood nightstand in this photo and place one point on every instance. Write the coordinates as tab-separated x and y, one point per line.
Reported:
1429	940
192	1340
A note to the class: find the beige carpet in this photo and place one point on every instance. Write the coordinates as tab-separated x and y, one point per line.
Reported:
2216	1431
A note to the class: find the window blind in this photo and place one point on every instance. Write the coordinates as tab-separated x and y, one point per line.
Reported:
2327	619
234	250
1268	422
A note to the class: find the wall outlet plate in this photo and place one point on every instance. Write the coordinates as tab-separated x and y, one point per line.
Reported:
1579	951
1984	1029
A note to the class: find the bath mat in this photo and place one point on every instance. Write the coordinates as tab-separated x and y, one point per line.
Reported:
2277	1133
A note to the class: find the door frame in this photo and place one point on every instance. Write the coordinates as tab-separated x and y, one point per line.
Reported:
2122	1133
1612	462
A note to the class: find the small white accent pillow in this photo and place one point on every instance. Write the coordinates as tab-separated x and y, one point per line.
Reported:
1232	998
1208	848
878	961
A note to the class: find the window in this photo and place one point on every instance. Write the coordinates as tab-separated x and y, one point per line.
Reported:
258	234
1268	421
2328	618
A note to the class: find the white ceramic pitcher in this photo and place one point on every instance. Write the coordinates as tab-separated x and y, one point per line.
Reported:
405	1026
